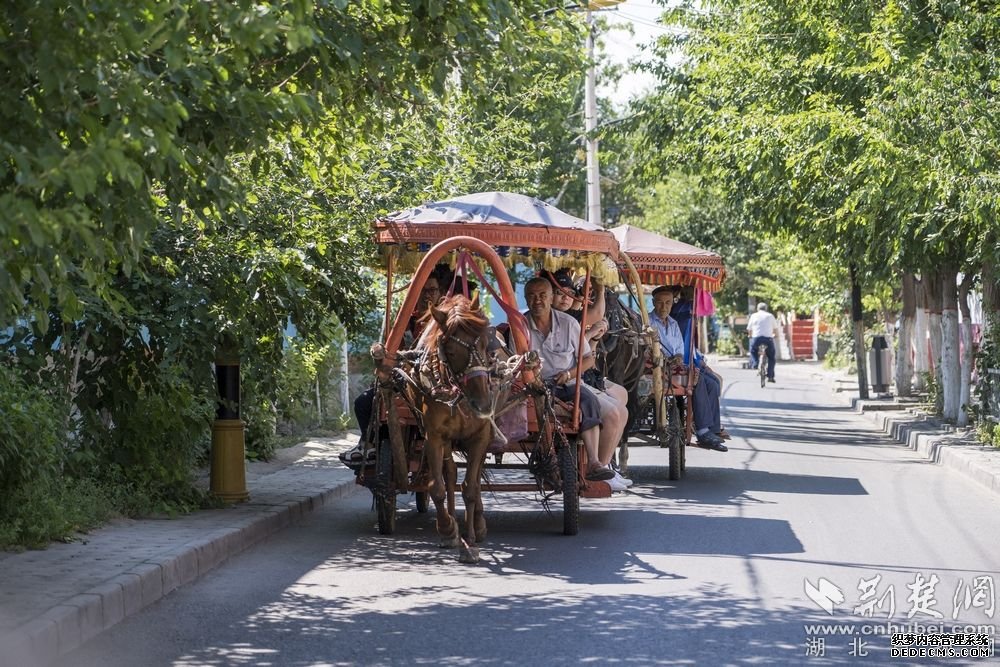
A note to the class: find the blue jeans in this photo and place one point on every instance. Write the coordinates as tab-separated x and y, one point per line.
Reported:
705	399
769	342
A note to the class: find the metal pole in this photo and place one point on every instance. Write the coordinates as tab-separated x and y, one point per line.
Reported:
346	386
590	131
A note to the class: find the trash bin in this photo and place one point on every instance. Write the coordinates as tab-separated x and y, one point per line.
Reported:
880	364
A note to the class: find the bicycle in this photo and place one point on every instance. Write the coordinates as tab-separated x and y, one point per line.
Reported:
762	364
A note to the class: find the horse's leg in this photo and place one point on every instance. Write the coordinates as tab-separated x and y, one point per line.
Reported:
447	527
475	520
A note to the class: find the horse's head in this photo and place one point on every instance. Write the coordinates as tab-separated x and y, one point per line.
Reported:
461	341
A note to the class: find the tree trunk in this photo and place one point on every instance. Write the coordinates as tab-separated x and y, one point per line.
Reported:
921	366
932	290
950	378
991	296
965	336
857	316
904	362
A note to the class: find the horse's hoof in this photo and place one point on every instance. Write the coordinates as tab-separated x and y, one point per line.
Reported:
468	554
480	536
451	540
449	543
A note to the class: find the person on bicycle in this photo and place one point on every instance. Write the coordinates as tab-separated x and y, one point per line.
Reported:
708	385
762	327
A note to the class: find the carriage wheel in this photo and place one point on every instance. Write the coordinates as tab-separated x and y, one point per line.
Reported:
385	495
675	441
570	490
422	501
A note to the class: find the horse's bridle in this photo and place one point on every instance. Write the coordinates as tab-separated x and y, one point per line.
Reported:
476	366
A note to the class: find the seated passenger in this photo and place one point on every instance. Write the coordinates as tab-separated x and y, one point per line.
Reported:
556	337
613	397
708	386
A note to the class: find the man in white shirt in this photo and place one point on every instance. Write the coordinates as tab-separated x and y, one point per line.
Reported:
556	337
762	327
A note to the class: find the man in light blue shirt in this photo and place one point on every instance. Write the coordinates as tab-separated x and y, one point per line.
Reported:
706	392
671	339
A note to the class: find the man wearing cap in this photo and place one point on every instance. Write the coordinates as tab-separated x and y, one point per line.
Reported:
612	396
708	387
762	327
555	336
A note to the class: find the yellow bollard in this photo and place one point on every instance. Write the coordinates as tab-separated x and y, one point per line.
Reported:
228	478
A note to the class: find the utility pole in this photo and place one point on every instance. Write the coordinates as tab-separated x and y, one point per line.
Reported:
590	130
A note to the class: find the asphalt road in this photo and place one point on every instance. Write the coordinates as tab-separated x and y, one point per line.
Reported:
709	570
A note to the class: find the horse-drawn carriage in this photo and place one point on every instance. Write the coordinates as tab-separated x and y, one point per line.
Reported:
659	392
446	395
448	402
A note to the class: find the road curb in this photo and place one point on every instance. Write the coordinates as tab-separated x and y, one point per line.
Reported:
939	443
71	623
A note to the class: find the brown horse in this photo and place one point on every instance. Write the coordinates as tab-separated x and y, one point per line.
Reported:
457	406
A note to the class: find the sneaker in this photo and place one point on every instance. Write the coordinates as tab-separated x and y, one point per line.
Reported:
599	473
617	484
770	379
622	480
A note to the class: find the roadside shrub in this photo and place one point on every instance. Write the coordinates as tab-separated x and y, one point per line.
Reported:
30	458
726	347
148	441
29	435
840	353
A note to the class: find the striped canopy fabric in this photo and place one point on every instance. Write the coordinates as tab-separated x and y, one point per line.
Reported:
519	227
663	261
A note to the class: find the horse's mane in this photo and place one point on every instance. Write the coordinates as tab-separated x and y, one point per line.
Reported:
462	318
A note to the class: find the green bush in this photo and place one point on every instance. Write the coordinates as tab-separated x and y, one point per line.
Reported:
148	442
727	347
29	435
840	353
39	502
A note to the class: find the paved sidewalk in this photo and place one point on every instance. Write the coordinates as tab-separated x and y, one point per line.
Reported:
906	421
53	601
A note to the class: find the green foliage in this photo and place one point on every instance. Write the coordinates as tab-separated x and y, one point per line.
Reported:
693	210
121	116
38	501
30	447
988	433
152	441
840	353
792	277
987	362
182	178
846	125
54	509
727	347
932	389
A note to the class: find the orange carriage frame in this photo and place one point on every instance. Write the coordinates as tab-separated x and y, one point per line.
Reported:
396	414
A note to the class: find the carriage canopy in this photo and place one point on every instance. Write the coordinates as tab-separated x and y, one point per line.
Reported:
520	228
663	261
